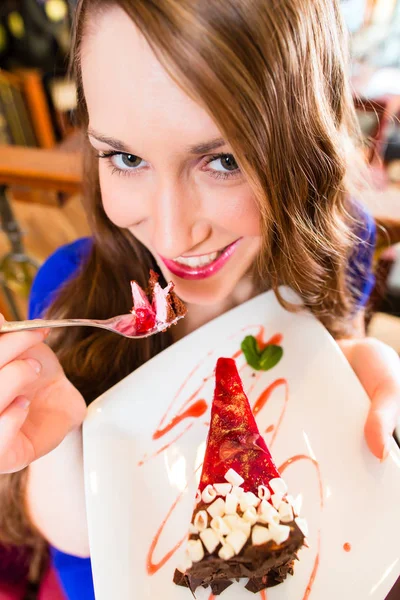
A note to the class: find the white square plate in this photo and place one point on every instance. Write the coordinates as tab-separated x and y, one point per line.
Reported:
133	480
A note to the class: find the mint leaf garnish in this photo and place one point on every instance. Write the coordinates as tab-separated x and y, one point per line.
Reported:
270	357
250	350
260	360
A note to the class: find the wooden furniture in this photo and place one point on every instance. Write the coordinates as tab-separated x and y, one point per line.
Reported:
53	169
35	175
40	169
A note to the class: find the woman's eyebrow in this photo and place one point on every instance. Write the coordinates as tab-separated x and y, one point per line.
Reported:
201	148
205	147
113	142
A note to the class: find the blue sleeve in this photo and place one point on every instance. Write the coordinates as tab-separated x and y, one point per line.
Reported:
57	270
74	574
361	276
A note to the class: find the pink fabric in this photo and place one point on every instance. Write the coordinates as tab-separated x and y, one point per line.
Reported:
49	590
11	592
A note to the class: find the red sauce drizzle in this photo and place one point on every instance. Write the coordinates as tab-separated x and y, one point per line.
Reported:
152	567
263	595
147	458
298	457
314	571
195	410
183	385
347	547
281	469
270	428
255	381
265	396
275	340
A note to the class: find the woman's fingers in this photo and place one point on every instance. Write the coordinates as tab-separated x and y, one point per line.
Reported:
378	368
14	344
383	418
14	377
11	421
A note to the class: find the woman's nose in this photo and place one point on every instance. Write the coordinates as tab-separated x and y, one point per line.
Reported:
175	218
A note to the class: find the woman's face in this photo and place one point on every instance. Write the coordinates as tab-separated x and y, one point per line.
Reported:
166	174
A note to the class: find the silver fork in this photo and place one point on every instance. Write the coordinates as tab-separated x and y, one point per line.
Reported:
123	325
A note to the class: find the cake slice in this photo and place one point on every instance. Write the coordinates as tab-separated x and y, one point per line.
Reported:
159	307
244	524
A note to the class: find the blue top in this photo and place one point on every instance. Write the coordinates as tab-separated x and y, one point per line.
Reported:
75	573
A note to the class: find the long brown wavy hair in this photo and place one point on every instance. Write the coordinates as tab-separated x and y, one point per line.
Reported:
273	76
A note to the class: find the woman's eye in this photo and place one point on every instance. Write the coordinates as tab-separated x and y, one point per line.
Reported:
122	163
126	161
224	163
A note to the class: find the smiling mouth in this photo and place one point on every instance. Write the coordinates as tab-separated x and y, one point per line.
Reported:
202	266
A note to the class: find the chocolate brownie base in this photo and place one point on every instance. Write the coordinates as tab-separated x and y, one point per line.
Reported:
264	566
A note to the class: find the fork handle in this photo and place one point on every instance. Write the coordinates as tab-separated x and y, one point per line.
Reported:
10	326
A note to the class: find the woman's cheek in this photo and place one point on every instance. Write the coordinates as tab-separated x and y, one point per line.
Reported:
118	199
235	210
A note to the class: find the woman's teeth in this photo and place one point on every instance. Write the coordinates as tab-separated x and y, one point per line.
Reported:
198	261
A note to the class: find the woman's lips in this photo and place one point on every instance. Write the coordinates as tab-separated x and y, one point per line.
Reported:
201	271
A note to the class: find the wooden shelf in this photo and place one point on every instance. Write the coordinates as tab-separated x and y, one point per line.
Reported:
38	168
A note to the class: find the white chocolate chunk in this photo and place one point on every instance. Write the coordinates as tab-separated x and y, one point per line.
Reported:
223	489
248	499
209	494
238	491
237	540
217	508
278	486
260	535
285	512
226	552
219	526
195	550
209	539
231	502
263	492
244	526
267	513
234	478
276	500
201	520
297	504
250	515
186	563
302	525
231	521
193	529
252	499
279	533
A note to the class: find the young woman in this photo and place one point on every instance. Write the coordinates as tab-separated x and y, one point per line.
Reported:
219	152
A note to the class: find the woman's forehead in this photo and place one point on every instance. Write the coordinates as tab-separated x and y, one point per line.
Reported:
128	91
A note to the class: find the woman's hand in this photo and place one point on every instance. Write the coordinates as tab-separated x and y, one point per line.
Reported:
377	366
38	405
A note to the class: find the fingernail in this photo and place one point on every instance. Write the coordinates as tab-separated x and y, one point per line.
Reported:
23	402
387	447
46	332
35	364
